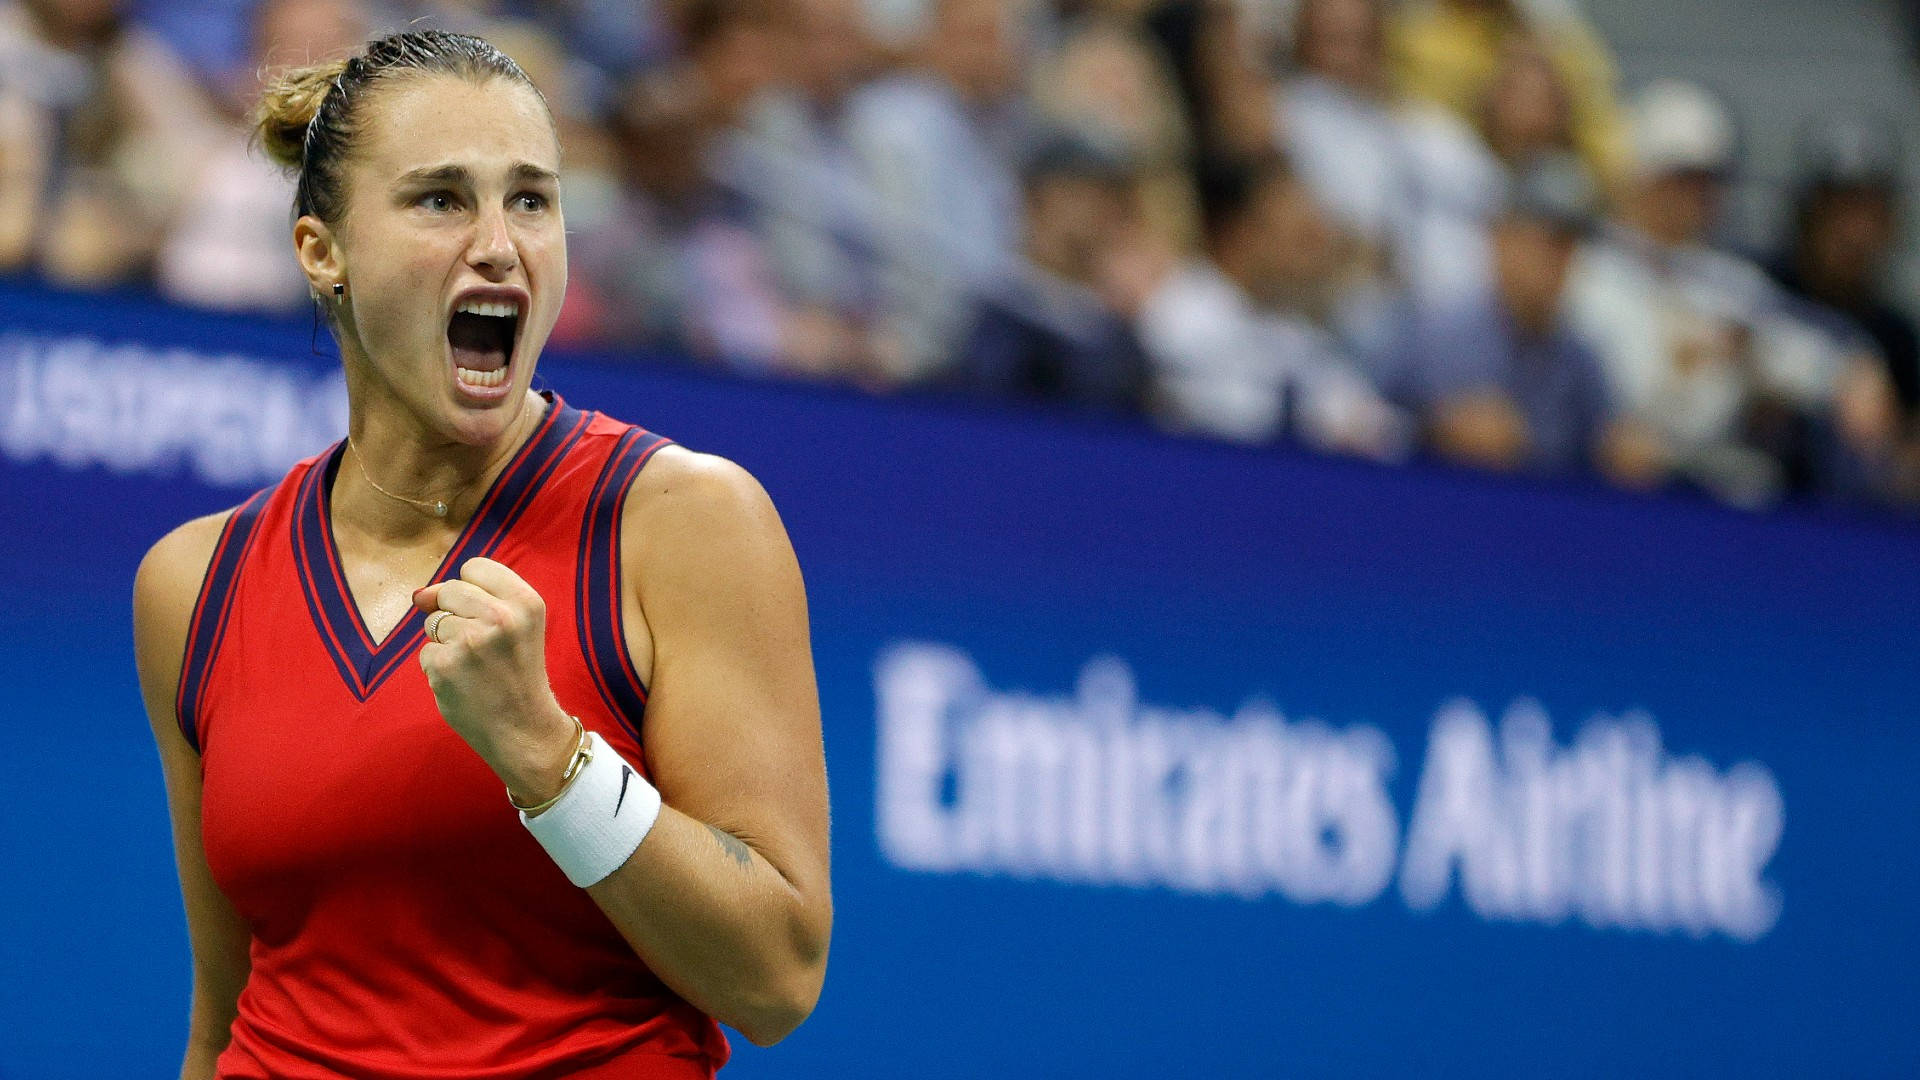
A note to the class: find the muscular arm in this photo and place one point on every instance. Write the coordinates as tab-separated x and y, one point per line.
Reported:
164	592
727	900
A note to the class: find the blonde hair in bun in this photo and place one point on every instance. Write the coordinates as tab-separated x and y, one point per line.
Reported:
288	105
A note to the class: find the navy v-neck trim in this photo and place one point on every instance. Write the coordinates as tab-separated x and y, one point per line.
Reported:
363	665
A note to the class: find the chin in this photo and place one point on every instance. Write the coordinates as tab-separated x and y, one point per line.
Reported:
474	425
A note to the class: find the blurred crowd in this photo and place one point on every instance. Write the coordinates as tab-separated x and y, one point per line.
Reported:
1388	229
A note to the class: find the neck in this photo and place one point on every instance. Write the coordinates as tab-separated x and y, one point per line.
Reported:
416	468
1645	216
1233	266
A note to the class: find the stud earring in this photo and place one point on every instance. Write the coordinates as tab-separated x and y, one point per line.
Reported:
339	290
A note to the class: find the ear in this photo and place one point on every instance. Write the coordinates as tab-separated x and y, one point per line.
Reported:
319	252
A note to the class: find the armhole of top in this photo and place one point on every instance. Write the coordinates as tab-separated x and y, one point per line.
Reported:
211	613
599	584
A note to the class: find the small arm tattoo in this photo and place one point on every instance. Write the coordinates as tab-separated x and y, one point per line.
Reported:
733	846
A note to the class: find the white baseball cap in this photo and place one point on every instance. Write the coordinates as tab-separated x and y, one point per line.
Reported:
1681	127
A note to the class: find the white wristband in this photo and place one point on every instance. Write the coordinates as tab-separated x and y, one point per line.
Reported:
596	825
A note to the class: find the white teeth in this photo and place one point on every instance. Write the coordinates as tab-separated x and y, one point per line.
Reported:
480	378
499	309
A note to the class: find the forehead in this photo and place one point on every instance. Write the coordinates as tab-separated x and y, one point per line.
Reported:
444	119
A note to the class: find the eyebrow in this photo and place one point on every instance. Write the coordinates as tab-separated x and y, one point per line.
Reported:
460	174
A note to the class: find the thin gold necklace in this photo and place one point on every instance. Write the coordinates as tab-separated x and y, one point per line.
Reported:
436	507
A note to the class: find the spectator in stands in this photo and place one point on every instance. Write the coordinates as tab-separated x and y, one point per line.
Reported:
1462	169
1345	136
1527	112
1232	338
1106	83
1670	318
677	265
99	125
1449	52
1225	92
1336	119
939	143
1697	343
806	188
1845	226
228	244
731	49
1498	379
1052	331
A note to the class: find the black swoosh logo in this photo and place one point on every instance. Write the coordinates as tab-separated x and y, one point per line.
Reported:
626	774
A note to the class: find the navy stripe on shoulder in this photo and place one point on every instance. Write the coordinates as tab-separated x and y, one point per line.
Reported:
598	585
212	612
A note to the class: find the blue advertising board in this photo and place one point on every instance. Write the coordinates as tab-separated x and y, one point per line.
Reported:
1149	757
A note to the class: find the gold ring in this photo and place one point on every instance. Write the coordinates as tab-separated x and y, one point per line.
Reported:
433	625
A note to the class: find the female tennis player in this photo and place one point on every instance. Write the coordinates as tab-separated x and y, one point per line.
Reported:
490	735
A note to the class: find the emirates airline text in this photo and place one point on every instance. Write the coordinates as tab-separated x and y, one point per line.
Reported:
1098	788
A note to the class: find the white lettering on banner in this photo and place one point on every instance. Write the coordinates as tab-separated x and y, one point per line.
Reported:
234	421
1608	828
1098	788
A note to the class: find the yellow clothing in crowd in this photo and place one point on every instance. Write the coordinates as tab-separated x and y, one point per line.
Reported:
1449	52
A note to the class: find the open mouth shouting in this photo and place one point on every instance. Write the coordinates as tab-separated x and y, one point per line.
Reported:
481	335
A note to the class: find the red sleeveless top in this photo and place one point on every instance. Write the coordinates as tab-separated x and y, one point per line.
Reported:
404	923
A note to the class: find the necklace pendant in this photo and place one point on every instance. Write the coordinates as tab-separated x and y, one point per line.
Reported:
439	508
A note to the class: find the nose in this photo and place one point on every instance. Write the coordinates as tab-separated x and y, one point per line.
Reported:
492	250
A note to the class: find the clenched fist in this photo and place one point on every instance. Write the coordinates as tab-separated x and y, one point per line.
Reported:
487	665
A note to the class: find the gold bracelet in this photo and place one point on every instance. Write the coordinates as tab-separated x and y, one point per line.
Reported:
582	753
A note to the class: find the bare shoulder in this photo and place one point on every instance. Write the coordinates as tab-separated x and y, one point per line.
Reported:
689	499
176	563
164	591
683	481
699	530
